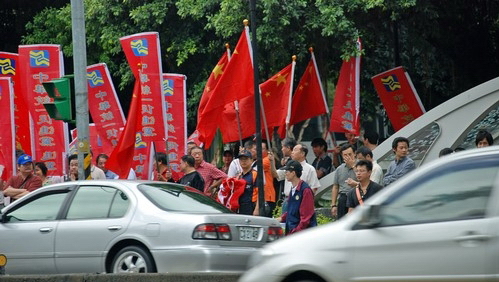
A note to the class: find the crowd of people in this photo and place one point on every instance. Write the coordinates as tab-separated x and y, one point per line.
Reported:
287	178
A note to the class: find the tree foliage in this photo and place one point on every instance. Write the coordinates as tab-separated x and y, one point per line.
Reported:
447	47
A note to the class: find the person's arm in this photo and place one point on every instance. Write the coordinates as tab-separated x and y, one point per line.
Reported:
273	169
13	192
313	181
306	210
334	199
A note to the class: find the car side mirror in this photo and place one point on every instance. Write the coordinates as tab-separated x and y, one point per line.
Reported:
371	217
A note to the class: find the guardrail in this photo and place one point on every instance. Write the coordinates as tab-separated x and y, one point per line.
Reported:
141	277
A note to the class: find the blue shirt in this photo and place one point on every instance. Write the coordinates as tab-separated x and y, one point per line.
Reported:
397	169
111	175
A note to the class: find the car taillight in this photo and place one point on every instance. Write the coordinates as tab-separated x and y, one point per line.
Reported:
274	233
211	231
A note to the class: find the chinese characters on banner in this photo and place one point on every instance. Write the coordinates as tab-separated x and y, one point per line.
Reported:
7	140
142	51
95	140
9	62
400	99
104	106
345	114
42	63
175	96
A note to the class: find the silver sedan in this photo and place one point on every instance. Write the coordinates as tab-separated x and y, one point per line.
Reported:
113	226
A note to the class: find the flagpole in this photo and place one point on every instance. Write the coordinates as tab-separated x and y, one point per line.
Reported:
259	163
238	120
264	118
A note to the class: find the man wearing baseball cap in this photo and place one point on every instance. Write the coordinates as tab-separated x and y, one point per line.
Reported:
300	213
25	181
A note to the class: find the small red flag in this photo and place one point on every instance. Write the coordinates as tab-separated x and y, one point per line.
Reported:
309	100
235	84
345	114
216	74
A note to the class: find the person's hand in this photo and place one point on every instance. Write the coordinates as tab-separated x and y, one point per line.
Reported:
349	161
271	157
334	211
350	182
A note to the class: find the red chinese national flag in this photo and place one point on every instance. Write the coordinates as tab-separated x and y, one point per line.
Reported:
210	127
121	158
42	63
309	100
276	93
400	99
276	96
235	83
7	138
345	114
9	67
104	106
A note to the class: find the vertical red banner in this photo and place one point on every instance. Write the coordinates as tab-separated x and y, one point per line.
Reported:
9	67
399	97
41	63
7	138
345	114
143	54
174	89
104	106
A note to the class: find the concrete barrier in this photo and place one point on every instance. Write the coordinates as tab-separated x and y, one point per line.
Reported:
146	277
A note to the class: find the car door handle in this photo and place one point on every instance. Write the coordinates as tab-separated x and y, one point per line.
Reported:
473	237
114	227
46	229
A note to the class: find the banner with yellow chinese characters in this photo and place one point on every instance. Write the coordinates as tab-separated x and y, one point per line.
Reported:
7	139
9	63
400	99
104	106
38	64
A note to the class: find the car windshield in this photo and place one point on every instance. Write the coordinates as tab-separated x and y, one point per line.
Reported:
178	198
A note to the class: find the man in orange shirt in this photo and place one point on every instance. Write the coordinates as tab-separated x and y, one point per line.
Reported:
268	182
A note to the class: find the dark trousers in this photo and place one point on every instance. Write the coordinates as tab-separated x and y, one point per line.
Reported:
342	205
246	208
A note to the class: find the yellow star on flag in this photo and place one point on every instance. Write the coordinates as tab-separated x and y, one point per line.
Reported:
280	79
267	94
218	70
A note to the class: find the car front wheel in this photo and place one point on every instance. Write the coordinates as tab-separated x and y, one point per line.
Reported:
133	259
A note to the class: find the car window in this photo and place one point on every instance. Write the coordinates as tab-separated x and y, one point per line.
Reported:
120	204
177	198
44	208
92	202
450	194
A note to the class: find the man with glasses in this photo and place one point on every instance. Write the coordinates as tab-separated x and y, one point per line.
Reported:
365	187
24	182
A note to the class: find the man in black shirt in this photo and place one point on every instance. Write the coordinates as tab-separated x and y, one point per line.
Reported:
191	176
322	163
365	189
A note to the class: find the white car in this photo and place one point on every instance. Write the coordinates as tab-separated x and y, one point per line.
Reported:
118	226
440	222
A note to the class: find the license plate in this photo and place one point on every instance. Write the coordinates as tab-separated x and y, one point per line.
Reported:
249	233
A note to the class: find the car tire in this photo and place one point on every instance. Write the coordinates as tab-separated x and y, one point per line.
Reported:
133	259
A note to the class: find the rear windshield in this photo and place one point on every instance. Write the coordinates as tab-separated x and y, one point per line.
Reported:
171	197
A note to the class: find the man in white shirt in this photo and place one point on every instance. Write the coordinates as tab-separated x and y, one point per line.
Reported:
235	167
309	175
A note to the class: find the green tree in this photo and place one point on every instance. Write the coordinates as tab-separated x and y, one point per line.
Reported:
446	47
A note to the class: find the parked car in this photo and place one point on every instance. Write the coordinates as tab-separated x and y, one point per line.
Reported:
114	226
440	222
